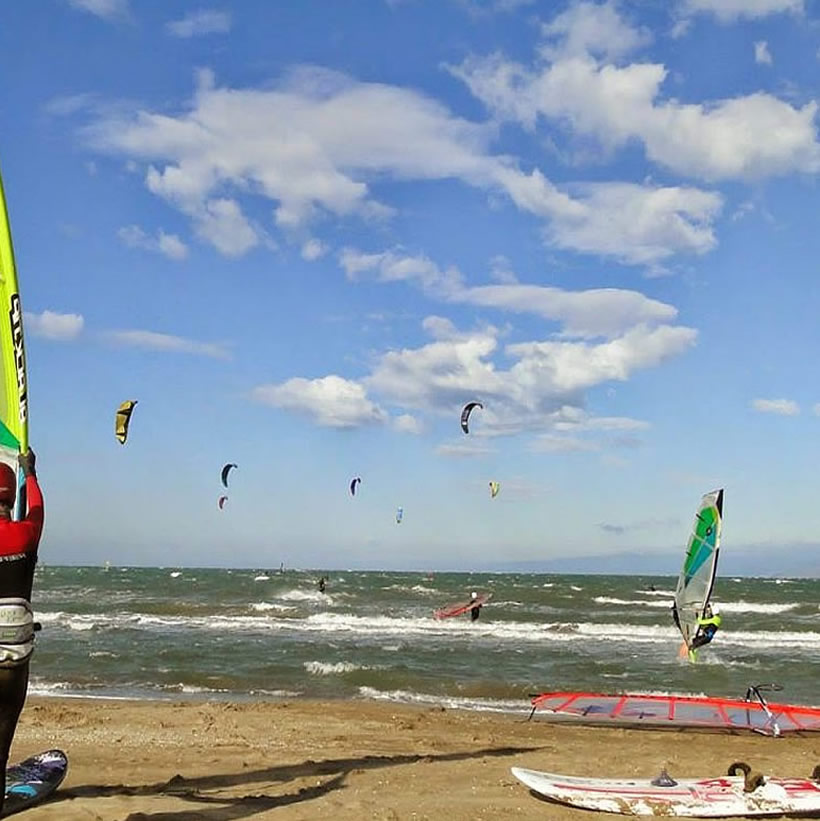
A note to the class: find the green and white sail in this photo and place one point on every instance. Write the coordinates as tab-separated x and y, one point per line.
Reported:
13	381
697	578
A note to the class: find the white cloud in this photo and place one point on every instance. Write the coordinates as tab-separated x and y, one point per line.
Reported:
406	423
762	53
106	9
729	10
331	401
783	407
592	28
462	450
152	341
312	144
199	23
313	249
170	245
594	312
747	137
52	325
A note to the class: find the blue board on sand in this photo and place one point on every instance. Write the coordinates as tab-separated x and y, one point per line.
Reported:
32	781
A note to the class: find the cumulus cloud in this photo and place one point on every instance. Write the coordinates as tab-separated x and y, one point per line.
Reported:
729	10
313	144
575	82
330	401
762	53
200	23
589	313
152	341
170	245
783	407
542	390
52	325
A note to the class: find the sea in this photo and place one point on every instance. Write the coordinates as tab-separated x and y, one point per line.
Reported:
261	634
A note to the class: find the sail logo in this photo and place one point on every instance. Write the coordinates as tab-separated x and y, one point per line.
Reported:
16	317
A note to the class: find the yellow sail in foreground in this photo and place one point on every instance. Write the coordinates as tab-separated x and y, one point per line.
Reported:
13	382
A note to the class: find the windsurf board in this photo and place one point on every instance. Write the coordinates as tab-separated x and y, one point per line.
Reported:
34	780
721	797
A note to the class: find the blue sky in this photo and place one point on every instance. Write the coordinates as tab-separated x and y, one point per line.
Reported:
303	235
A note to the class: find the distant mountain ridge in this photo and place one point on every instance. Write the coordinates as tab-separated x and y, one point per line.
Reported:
801	561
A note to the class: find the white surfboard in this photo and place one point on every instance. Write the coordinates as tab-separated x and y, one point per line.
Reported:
720	797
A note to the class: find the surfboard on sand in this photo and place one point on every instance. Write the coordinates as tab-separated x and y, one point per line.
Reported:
462	607
743	794
34	780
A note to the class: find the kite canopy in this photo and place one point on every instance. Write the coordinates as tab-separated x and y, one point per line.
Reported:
494	488
354	484
399	514
123	419
465	414
225	471
221	502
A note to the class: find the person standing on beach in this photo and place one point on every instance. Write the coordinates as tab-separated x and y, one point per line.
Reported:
19	541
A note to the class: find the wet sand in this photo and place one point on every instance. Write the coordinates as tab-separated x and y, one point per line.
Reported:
212	761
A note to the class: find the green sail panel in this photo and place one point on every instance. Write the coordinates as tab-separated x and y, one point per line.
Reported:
13	380
697	576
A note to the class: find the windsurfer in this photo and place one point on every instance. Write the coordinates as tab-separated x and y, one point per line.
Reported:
475	610
708	625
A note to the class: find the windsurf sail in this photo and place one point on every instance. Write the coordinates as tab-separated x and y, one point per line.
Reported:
462	607
697	577
703	712
13	383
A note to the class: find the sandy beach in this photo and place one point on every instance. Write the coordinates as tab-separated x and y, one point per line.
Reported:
213	761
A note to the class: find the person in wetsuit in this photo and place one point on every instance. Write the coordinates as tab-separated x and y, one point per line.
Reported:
322	584
19	541
475	609
708	625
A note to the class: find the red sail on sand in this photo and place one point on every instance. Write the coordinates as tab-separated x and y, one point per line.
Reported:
698	712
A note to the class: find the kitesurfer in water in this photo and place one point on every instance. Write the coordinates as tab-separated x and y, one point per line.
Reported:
708	625
322	584
19	541
476	608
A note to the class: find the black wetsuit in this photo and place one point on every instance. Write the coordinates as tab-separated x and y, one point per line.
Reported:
474	611
18	558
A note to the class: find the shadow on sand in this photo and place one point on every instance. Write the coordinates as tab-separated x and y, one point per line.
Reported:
232	807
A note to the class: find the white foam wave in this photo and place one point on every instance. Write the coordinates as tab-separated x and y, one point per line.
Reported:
261	578
638	602
729	607
324	668
304	595
451	702
757	607
265	607
391	627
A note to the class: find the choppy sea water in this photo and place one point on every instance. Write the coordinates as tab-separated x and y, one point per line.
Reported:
238	634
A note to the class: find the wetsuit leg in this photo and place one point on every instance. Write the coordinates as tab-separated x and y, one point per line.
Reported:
13	688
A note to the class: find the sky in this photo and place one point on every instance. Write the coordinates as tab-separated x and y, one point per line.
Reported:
302	236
